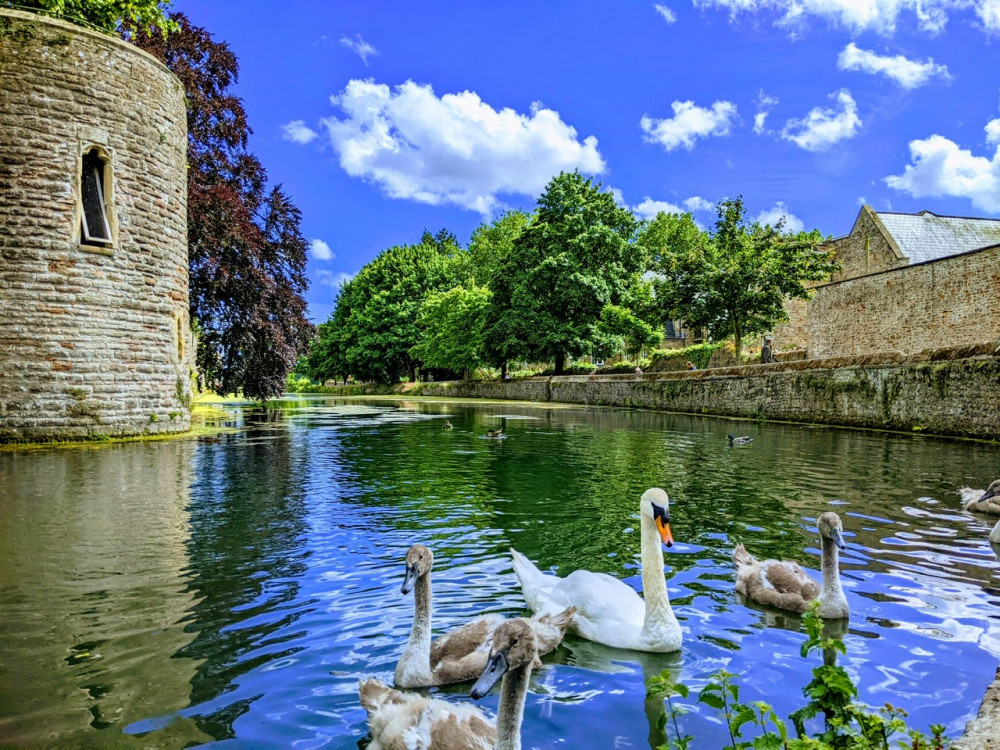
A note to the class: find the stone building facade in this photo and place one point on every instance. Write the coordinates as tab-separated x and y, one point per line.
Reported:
94	332
907	282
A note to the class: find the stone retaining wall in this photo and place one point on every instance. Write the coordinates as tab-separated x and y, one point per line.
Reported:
942	392
94	339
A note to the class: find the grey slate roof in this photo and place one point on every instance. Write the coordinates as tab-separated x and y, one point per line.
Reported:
925	236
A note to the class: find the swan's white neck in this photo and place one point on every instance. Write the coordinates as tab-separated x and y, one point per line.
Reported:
995	534
832	602
414	667
513	692
659	622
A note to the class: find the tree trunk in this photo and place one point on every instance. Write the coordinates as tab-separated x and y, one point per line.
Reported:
560	363
503	370
413	373
737	340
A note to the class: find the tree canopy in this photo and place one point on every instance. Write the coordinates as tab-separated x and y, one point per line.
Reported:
247	254
735	279
576	256
453	326
375	325
111	16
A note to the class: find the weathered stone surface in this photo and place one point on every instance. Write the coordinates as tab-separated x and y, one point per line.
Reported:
943	392
983	732
952	301
93	340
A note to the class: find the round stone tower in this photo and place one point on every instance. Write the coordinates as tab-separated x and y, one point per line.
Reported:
94	335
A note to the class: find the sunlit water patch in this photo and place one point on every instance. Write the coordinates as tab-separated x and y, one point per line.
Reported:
186	592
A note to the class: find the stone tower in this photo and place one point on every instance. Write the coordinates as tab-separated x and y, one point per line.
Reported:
94	335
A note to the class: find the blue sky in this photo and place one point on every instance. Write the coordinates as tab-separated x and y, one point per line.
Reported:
382	119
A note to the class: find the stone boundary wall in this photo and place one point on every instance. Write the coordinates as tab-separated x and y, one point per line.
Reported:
952	301
953	391
94	340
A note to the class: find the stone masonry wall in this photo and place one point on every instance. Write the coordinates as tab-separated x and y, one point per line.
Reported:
93	340
865	250
948	302
942	393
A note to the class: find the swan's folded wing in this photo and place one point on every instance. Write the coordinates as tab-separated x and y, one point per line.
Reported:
600	598
460	642
789	578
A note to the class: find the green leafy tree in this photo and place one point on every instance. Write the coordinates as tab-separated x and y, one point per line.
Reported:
735	282
491	244
453	327
573	259
374	328
110	16
622	324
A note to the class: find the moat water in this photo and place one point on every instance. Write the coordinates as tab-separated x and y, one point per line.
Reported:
234	590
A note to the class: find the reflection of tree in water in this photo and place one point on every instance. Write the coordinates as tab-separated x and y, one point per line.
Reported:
247	522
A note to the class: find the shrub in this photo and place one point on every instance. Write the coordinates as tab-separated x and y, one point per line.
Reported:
665	360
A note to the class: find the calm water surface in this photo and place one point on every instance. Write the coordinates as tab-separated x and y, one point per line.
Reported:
233	592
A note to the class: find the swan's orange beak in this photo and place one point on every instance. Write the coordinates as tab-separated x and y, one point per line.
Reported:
664	528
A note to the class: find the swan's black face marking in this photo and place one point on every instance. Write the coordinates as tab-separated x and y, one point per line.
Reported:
837	538
661	516
496	668
992	491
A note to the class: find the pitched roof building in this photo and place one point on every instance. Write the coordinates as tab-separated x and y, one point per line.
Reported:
882	240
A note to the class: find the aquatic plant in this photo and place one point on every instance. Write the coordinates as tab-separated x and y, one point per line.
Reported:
831	693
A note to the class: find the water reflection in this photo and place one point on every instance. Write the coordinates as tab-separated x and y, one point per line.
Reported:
92	591
237	589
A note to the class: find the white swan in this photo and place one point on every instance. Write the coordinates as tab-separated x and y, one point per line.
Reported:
415	722
608	610
783	584
995	534
983	501
461	654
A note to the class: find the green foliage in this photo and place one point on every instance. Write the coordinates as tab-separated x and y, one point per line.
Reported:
734	280
662	686
831	694
110	16
299	384
622	324
573	259
453	325
699	354
374	327
491	244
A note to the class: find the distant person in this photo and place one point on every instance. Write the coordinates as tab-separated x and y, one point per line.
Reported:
638	370
767	352
690	365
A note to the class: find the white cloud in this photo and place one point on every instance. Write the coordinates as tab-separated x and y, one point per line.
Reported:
907	73
775	213
668	15
360	47
320	250
298	132
649	208
453	149
856	15
696	203
764	104
821	128
688	124
334	279
941	168
989	13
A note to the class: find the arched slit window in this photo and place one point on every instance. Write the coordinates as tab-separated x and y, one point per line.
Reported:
96	229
